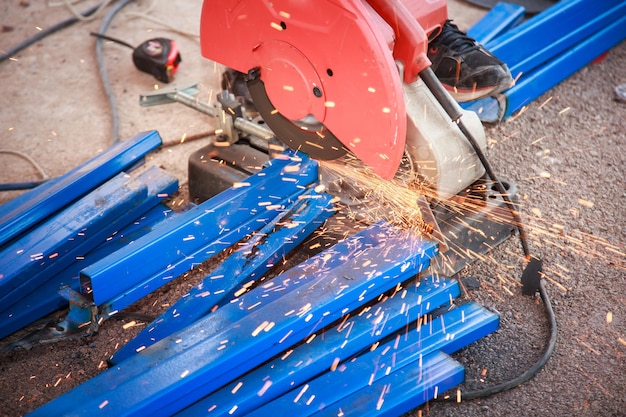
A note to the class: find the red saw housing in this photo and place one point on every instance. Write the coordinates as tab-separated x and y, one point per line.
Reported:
334	60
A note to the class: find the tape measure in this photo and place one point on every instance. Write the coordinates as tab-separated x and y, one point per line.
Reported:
159	56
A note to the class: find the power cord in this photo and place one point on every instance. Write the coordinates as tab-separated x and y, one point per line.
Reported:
104	76
79	15
528	374
92	11
28	184
531	276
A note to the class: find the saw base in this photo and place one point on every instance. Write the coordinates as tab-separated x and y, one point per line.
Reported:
215	168
472	226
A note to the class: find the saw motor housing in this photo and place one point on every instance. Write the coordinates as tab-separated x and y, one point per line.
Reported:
336	76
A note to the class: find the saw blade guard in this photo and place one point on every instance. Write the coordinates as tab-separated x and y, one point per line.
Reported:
331	61
440	154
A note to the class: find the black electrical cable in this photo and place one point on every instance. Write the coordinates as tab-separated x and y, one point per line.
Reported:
105	80
49	31
528	374
104	77
12	186
455	112
112	39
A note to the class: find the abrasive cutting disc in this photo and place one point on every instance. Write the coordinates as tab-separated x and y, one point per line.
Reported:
316	141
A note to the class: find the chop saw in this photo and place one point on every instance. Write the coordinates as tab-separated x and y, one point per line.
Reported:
334	77
339	79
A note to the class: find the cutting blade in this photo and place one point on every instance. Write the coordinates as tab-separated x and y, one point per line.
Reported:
308	136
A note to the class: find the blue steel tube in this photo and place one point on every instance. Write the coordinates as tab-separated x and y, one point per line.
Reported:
549	47
42	298
29	261
448	332
138	269
250	262
356	333
192	363
539	81
23	212
542	38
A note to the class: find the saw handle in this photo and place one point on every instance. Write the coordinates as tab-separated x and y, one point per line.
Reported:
409	19
455	113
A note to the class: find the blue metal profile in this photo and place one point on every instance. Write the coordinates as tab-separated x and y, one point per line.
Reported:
146	284
539	81
327	350
550	47
27	210
196	235
46	299
250	262
331	258
501	18
51	247
554	31
449	332
402	390
40	249
198	360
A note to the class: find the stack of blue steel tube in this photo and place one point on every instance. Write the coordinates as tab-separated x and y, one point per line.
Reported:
48	234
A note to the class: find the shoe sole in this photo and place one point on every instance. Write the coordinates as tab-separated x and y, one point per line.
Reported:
464	95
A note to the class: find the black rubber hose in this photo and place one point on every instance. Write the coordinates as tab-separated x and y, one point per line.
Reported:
49	31
455	112
481	393
12	186
104	76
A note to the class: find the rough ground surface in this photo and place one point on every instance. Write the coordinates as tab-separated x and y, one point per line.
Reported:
566	152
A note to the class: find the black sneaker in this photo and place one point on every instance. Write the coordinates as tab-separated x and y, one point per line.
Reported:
464	67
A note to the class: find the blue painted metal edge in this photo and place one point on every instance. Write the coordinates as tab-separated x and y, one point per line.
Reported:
554	59
23	212
195	228
501	18
62	239
327	349
47	299
402	390
48	249
248	263
449	332
547	35
181	369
